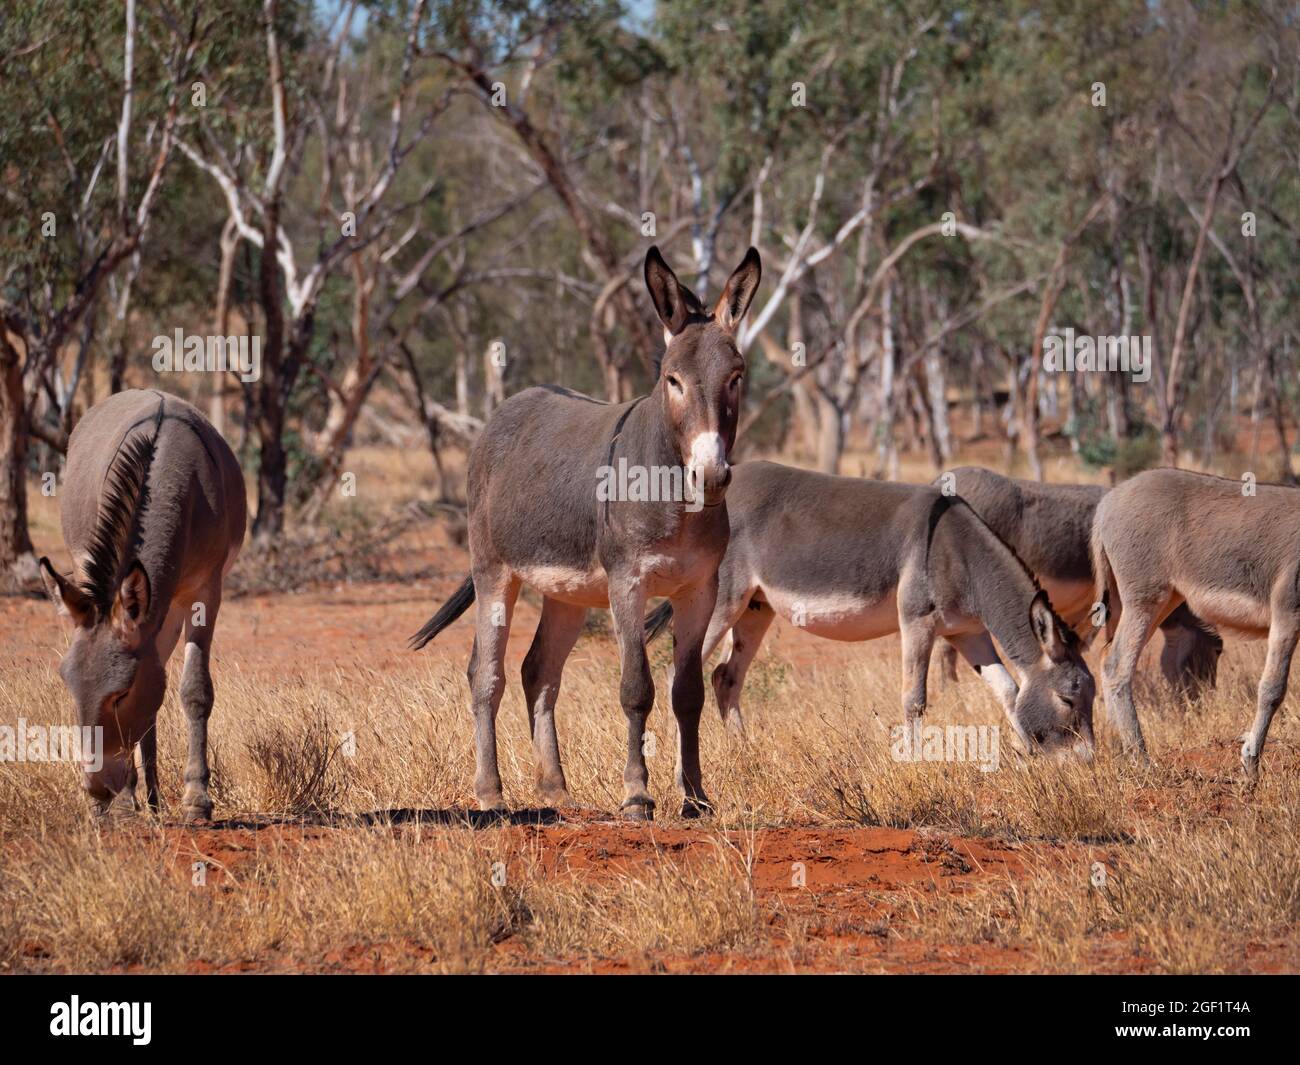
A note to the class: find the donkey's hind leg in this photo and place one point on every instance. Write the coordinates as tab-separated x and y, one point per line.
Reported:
1282	635
557	632
747	634
495	592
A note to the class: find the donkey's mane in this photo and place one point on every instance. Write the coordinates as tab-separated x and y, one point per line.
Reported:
122	498
1071	637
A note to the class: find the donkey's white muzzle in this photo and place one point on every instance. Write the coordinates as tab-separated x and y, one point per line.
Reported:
707	470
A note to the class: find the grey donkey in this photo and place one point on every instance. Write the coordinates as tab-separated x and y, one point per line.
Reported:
153	513
538	516
1050	527
1230	552
851	559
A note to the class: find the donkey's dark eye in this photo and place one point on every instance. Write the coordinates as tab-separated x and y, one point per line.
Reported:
675	382
734	382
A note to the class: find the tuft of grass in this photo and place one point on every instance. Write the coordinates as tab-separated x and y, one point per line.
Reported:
299	766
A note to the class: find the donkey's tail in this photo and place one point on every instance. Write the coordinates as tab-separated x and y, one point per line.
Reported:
1106	605
461	600
657	620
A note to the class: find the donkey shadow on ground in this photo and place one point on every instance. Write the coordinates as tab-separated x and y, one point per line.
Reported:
448	818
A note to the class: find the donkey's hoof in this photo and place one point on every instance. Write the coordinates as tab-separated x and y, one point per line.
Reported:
734	726
638	810
693	808
1250	767
197	812
554	798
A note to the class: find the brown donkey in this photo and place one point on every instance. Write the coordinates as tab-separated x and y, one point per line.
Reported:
153	513
1168	537
542	513
850	559
1050	527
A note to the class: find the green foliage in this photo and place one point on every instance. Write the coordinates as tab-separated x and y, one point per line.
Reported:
1139	450
676	108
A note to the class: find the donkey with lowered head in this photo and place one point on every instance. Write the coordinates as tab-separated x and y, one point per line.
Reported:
537	517
153	513
850	559
1168	537
1050	527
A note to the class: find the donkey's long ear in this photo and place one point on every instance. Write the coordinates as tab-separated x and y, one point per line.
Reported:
69	600
1047	629
739	293
673	301
131	606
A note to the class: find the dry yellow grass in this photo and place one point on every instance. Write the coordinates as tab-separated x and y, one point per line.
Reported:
1197	867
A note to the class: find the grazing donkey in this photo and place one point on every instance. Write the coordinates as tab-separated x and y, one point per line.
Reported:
153	513
851	559
1168	537
1050	527
536	518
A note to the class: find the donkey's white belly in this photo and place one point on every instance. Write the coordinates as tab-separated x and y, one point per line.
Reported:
836	615
1242	614
660	575
588	587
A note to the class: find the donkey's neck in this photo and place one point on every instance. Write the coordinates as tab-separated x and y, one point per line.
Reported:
645	438
998	587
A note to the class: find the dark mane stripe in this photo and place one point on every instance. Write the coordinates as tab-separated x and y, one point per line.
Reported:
121	500
1071	637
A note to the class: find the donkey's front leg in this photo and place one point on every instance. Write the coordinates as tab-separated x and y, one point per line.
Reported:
149	763
918	640
692	610
196	698
977	648
170	632
627	599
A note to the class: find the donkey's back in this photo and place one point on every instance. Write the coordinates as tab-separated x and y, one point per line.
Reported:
1047	525
194	477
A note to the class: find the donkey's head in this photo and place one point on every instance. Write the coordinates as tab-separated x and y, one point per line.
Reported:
1054	705
702	372
112	670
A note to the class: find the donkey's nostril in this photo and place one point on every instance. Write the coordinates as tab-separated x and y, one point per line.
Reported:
726	478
